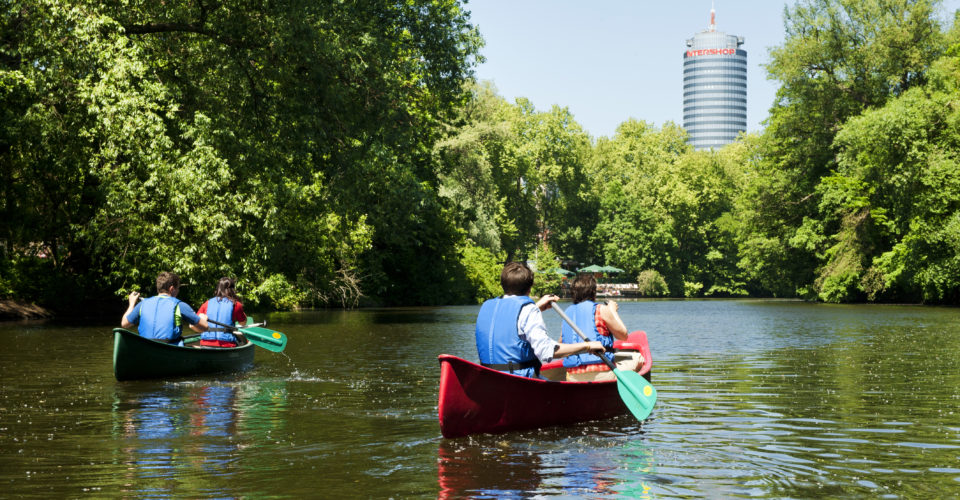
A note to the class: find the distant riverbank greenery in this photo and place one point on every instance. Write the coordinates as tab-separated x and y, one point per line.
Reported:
340	154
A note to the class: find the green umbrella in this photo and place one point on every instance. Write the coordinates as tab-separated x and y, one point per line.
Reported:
610	269
593	268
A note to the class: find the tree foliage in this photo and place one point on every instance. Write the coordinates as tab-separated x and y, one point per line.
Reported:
513	177
840	58
282	143
664	207
896	190
340	152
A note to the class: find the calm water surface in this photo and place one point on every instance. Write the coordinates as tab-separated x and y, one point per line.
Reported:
756	399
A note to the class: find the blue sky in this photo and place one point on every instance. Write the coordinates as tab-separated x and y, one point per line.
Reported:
610	60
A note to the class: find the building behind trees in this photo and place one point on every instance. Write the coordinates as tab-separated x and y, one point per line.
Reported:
714	88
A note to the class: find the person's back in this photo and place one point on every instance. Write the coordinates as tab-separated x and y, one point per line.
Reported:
584	315
158	318
499	345
220	309
223	308
162	317
598	322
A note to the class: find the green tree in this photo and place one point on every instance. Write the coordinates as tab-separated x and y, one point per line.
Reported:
897	195
634	231
236	138
652	284
840	58
468	159
514	176
546	279
666	208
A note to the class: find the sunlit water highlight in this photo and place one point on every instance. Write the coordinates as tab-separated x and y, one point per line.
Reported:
756	399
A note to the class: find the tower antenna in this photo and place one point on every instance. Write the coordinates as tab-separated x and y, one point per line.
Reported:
713	17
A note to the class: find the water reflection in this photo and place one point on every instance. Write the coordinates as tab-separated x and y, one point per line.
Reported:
151	426
218	412
190	432
759	399
467	470
579	461
584	473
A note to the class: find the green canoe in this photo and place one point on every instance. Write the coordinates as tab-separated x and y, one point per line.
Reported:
135	357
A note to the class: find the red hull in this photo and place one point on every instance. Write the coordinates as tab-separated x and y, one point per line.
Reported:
475	399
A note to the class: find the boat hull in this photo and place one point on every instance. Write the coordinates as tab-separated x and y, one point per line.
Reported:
475	399
136	357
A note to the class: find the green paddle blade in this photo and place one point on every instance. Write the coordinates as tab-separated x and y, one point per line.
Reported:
270	340
636	392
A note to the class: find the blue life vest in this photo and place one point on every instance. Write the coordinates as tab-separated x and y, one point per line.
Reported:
498	340
584	316
160	319
219	309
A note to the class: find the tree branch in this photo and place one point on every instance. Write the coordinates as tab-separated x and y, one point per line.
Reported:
146	29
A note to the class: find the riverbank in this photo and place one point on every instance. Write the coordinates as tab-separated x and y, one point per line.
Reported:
12	310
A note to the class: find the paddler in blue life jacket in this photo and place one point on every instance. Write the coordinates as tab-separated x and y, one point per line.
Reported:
224	307
161	317
511	334
600	322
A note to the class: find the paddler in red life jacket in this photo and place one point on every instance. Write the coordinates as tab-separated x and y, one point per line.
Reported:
161	317
511	334
224	307
599	322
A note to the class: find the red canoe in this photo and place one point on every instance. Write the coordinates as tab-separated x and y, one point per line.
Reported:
475	399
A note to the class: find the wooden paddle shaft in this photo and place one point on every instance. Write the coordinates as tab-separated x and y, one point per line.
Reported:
580	333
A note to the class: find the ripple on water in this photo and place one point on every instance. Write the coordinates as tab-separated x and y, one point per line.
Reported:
764	399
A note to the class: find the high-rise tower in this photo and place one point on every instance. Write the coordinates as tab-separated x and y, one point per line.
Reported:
714	87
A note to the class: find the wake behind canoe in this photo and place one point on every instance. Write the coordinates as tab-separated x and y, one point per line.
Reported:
135	357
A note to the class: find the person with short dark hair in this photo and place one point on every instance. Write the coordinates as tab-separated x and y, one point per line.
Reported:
600	322
161	317
224	307
511	335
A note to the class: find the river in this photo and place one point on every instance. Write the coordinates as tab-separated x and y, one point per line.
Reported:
756	398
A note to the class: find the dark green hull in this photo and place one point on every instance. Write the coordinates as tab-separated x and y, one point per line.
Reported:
135	357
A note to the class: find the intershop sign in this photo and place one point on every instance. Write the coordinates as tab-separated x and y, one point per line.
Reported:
711	52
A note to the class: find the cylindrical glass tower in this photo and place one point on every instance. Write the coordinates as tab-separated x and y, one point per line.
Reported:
714	88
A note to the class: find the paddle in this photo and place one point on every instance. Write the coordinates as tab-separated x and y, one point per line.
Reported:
635	391
261	337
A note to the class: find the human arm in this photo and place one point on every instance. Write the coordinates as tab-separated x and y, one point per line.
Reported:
531	328
240	318
201	315
132	304
197	322
196	327
564	350
611	316
546	302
